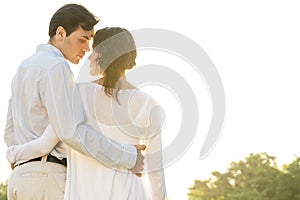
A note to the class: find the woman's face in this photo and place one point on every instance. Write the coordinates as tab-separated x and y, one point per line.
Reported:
95	69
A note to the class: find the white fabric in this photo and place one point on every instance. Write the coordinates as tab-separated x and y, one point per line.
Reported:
133	120
44	92
37	181
33	149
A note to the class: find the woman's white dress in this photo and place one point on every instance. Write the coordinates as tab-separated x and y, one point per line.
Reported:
132	118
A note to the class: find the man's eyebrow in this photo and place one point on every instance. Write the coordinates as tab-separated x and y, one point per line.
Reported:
87	37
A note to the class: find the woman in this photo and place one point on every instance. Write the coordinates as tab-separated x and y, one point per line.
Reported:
124	114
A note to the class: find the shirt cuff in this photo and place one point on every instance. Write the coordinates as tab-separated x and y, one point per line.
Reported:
129	155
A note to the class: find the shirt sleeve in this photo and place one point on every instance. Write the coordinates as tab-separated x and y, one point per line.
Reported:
153	154
33	149
61	97
9	136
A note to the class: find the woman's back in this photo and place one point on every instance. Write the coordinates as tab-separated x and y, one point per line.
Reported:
126	121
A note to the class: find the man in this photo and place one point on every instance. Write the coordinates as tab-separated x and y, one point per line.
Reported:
43	92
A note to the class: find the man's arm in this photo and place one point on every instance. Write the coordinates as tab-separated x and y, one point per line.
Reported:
63	102
9	136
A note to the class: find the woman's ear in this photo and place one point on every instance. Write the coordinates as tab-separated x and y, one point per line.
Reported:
60	33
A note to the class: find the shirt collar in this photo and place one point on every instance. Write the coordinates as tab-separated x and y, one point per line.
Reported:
50	48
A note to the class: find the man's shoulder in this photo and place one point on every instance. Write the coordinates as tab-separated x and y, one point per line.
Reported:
44	58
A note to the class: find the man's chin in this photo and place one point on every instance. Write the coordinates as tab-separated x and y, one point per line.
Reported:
74	61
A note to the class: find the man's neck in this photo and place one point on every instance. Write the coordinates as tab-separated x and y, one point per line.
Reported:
53	43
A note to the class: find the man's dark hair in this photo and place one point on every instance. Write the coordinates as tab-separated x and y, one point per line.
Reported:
71	17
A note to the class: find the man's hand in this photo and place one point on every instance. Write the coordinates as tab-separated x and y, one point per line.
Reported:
139	165
12	166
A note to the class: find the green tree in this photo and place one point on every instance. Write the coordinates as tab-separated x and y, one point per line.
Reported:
3	189
254	178
289	182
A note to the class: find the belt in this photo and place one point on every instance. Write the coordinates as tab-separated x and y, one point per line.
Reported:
50	158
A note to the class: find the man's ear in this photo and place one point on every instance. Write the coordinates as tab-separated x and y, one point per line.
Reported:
60	33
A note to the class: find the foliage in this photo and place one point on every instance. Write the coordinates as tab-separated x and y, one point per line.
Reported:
257	177
3	188
289	181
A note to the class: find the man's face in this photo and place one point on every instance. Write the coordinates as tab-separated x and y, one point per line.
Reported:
76	45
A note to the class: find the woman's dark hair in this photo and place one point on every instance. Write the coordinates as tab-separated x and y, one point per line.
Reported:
118	52
71	17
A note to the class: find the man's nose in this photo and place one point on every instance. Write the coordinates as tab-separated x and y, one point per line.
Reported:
86	48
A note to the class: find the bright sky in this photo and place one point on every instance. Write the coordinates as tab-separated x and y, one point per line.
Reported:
255	46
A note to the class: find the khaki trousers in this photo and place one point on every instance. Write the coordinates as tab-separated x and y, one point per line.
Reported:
37	181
